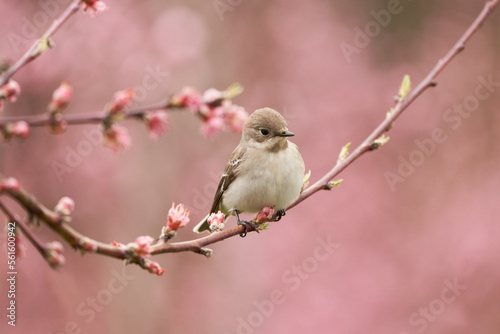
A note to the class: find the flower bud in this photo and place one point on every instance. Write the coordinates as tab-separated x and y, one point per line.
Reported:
121	100
157	122
61	97
65	206
54	254
116	138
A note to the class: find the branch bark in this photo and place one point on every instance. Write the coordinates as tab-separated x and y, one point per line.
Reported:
78	240
39	47
86	118
402	105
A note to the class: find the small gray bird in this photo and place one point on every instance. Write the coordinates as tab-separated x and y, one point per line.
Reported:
265	169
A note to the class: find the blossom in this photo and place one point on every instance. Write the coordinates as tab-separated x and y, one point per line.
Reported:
54	255
235	117
61	97
221	117
142	245
187	98
95	7
216	221
214	107
264	215
211	95
121	100
157	122
116	138
213	125
178	216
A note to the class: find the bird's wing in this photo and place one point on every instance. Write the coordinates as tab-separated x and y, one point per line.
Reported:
228	176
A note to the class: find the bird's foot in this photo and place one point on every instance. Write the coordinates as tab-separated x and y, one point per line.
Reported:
245	225
281	213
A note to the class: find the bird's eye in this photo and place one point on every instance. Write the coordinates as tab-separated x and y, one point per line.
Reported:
265	132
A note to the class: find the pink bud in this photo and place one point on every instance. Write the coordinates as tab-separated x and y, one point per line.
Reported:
264	215
95	7
65	206
187	98
19	129
89	245
121	100
10	91
211	95
61	97
216	221
178	216
154	267
117	138
157	122
54	254
9	184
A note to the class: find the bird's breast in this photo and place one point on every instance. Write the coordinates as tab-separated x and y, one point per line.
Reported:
270	179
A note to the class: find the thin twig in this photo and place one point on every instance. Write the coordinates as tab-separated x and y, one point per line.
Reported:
53	220
34	51
39	245
85	118
427	82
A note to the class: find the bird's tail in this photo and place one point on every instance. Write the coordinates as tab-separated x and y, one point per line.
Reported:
202	226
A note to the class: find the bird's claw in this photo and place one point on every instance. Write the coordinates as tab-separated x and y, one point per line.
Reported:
281	213
245	225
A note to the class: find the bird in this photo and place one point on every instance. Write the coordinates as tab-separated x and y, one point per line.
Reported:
265	169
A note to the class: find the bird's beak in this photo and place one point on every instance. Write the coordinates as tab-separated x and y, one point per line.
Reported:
287	134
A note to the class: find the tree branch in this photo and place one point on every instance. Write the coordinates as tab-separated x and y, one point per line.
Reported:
59	224
41	44
401	105
40	247
86	118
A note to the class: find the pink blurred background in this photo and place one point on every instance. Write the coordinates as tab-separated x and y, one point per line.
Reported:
417	256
